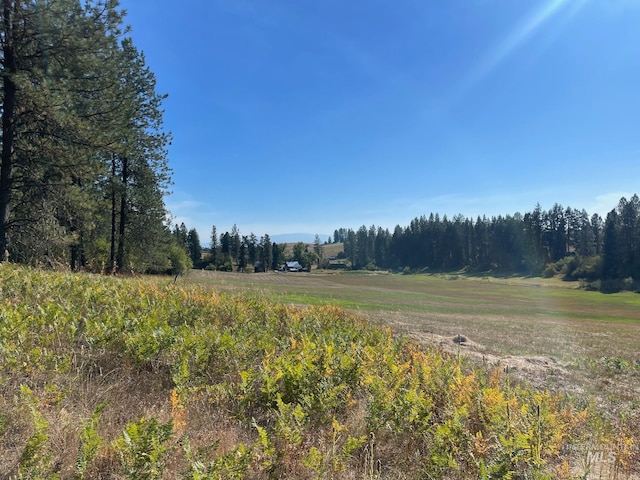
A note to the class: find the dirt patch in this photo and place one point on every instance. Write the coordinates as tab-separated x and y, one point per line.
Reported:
541	371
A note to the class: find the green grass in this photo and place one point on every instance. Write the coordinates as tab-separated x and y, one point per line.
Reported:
464	296
521	316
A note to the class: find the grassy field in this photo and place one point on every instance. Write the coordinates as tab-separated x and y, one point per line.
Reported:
236	376
551	332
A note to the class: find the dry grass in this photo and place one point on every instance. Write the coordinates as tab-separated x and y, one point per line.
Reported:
328	250
548	333
588	341
128	391
544	331
332	249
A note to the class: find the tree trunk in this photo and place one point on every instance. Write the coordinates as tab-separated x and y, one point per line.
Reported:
112	256
123	212
9	90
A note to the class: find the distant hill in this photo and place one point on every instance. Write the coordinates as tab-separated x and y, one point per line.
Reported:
299	237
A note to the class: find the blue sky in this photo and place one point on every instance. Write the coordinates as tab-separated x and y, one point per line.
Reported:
306	116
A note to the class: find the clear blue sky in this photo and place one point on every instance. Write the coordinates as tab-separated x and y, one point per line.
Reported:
305	116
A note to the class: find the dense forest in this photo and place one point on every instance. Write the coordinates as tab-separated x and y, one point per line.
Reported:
540	242
84	165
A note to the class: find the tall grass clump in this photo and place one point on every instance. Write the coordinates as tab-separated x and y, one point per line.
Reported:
109	378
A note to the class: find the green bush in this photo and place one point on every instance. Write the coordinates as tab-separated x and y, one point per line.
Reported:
549	271
180	263
143	449
574	267
226	266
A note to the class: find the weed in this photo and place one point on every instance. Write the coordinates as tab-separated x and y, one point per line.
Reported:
35	460
143	449
90	442
311	392
614	364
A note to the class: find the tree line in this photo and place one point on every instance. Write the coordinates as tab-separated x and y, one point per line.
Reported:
558	240
84	166
231	251
84	171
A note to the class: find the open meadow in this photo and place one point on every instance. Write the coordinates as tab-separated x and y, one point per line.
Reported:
551	332
313	376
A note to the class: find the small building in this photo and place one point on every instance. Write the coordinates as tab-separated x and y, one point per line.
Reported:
259	267
292	267
337	265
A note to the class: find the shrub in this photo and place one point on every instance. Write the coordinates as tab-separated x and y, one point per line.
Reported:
588	268
143	449
179	260
226	266
549	271
309	392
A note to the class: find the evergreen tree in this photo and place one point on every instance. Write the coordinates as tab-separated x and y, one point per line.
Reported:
242	255
181	236
597	228
277	256
536	256
54	118
317	247
351	247
556	233
382	244
513	243
451	246
252	249
214	244
235	243
481	257
362	258
583	234
267	251
225	246
610	252
396	247
140	175
81	136
195	249
628	237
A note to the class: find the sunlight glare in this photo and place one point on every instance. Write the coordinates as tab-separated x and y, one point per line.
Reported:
517	38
